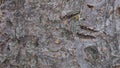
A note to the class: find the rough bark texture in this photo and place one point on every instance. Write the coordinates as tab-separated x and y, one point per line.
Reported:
59	34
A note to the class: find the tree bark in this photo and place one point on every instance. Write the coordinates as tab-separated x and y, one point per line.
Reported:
59	33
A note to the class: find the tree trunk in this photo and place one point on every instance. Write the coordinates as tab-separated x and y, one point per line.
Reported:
59	33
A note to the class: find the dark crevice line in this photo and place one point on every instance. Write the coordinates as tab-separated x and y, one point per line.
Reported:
87	28
81	35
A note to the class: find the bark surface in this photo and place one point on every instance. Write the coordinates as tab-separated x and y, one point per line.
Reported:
59	33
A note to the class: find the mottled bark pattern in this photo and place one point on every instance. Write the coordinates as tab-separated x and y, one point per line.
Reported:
59	34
